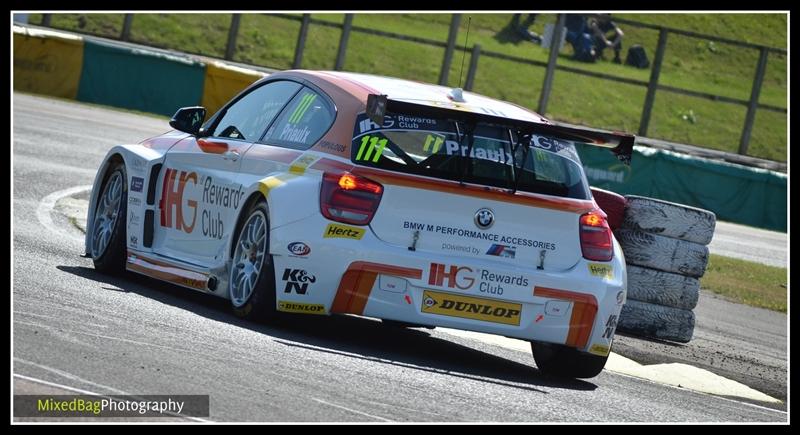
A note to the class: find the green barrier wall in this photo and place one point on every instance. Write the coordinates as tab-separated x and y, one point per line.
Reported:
140	80
736	193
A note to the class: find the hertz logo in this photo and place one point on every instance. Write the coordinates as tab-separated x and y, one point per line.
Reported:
487	310
601	270
343	232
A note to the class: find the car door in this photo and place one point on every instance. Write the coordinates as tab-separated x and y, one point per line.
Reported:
200	189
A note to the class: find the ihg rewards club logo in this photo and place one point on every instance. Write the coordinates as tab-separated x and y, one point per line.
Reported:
111	406
464	278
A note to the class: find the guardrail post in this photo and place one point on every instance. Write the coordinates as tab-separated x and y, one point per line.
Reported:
348	24
46	19
451	45
751	108
653	84
473	66
551	64
301	41
233	32
126	27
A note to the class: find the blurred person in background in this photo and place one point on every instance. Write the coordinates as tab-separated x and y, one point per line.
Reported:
580	36
606	34
523	28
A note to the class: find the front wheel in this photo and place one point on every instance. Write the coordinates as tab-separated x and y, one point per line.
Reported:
252	279
108	244
563	361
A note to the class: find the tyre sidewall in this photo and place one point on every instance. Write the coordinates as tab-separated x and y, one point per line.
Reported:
562	361
113	258
260	305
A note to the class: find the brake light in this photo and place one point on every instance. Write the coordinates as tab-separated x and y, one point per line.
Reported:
596	237
349	198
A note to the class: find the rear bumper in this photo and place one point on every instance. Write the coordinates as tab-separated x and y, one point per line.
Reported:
355	272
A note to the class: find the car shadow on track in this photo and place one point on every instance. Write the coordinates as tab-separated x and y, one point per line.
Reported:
354	337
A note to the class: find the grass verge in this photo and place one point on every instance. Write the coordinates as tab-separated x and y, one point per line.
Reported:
746	282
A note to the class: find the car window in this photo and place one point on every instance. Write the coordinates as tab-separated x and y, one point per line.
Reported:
304	121
440	148
247	118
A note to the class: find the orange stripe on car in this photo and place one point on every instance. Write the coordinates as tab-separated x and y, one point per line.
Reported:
357	282
166	272
584	310
493	194
211	147
331	165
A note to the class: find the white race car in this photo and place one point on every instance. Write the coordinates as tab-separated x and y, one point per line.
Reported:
330	192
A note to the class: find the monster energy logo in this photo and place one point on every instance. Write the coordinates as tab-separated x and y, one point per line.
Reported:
301	108
433	141
373	141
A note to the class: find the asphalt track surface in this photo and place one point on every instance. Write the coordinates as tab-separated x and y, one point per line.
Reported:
77	330
751	244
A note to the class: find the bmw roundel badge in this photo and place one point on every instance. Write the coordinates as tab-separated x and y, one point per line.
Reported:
484	218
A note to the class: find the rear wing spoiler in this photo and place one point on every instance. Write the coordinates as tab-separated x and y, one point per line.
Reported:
620	144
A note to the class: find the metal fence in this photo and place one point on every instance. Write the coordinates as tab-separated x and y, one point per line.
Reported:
652	85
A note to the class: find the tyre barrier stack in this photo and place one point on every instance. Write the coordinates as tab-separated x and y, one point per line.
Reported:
666	252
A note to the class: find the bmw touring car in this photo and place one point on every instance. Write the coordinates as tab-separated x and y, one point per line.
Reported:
319	193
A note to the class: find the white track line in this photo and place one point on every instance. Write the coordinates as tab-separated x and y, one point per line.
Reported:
47	204
90	393
350	410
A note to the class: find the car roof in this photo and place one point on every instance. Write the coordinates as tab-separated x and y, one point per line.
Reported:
361	85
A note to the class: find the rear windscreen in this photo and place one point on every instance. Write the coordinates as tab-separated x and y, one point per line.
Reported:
483	154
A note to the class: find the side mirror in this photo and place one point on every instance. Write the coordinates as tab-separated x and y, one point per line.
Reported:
188	119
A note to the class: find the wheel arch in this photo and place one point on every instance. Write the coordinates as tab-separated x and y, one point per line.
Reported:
137	160
254	196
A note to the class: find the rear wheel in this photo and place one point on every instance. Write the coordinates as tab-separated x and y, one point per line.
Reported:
563	361
108	224
252	278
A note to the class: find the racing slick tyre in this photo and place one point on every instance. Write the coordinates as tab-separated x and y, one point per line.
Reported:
656	321
108	245
562	361
251	282
612	204
669	219
662	288
663	253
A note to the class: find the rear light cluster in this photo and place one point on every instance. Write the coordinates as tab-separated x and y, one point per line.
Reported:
349	198
596	237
